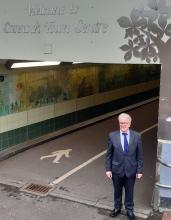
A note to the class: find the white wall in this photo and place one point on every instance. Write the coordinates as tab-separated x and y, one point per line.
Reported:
27	29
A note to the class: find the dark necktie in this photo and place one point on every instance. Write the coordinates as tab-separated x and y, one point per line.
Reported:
125	142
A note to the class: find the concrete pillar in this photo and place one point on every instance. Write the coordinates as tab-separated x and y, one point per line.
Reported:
162	195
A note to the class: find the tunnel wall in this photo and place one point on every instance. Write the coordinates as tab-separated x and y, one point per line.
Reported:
37	102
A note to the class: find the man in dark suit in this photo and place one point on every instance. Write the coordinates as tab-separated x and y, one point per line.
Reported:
124	164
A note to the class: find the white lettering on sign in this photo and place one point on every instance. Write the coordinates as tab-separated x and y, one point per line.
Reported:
97	27
52	27
58	155
21	28
47	25
65	30
36	10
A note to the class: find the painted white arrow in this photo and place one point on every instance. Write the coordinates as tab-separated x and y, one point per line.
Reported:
57	154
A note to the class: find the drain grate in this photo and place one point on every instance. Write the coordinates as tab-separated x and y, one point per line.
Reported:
37	189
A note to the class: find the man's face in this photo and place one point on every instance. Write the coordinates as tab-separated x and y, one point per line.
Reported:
124	124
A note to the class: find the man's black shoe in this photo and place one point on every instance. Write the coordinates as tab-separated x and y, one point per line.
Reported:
130	215
115	213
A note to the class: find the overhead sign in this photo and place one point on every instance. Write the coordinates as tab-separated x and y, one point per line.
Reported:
63	30
110	31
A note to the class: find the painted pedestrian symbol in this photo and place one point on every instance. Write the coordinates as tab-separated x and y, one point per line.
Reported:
58	155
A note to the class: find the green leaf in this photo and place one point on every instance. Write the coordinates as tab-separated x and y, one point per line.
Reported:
128	56
124	22
162	21
125	47
168	30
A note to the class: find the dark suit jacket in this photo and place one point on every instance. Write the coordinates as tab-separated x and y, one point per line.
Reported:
122	163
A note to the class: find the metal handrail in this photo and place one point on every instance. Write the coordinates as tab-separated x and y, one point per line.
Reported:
164	141
166	165
163	162
163	185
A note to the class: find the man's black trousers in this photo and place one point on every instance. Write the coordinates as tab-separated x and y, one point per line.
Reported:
128	184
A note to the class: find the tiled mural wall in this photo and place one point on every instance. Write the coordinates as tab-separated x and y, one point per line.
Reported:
38	101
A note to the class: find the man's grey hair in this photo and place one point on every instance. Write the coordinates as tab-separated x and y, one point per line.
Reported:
125	115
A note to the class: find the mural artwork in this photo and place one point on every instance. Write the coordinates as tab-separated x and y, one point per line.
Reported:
21	91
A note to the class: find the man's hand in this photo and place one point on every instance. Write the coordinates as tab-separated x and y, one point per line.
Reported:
109	174
139	175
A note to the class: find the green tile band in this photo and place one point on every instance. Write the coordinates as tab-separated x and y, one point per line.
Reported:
20	135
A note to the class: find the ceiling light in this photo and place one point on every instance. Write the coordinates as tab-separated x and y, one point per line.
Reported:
34	64
168	119
76	62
